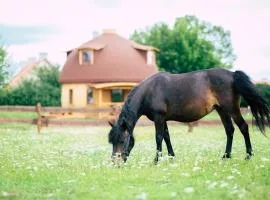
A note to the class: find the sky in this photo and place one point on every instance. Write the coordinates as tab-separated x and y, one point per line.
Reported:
28	27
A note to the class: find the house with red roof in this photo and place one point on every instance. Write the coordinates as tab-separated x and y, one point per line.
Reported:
28	68
101	72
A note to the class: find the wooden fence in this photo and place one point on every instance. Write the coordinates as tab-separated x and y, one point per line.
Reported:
62	116
58	109
46	116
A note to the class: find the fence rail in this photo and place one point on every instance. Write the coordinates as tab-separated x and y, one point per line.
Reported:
47	116
62	116
75	110
57	109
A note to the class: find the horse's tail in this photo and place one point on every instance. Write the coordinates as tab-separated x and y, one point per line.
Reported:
259	107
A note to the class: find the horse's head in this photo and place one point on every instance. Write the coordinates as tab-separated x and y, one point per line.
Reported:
122	141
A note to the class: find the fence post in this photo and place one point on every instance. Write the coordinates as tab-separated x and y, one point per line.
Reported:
190	127
39	118
113	111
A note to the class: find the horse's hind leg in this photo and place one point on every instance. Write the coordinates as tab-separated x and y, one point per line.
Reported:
243	126
159	126
167	139
229	129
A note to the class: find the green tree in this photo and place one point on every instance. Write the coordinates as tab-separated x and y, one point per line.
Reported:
49	85
265	91
189	45
43	88
3	66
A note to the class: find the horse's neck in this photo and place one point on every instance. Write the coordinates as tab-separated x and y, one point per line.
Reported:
129	117
130	114
131	108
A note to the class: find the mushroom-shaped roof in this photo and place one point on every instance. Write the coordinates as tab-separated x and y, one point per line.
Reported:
116	59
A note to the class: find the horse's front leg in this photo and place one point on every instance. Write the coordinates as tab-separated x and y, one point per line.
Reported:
159	126
168	141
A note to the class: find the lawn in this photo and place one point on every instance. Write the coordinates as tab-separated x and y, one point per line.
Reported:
17	114
74	163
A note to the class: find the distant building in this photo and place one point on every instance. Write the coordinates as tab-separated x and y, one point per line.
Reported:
102	71
28	67
263	81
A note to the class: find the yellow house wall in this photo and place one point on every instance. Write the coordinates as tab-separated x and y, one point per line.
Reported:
97	98
101	96
106	96
79	95
126	94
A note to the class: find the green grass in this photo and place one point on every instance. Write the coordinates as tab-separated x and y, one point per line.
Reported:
214	116
17	114
74	163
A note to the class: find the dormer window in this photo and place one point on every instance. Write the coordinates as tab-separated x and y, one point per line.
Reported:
86	57
150	57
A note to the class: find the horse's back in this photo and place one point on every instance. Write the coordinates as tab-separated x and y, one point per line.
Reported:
189	96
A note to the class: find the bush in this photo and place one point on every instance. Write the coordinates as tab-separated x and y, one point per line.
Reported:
43	88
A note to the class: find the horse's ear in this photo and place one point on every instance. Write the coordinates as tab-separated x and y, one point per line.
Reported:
111	122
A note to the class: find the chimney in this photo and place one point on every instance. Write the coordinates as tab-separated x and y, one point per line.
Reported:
108	31
31	60
42	55
95	34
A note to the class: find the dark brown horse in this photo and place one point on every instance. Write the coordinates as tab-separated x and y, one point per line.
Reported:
186	98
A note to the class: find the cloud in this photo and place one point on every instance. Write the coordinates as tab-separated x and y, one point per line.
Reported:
21	34
107	3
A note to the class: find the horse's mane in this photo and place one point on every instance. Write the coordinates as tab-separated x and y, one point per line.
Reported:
126	119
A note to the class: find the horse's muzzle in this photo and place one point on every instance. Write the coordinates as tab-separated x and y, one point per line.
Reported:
118	157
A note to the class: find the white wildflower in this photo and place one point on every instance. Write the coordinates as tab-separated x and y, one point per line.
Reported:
265	159
212	185
185	174
173	194
223	184
189	189
174	165
196	169
5	194
142	196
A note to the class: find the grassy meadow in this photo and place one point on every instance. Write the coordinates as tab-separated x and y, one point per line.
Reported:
17	114
74	163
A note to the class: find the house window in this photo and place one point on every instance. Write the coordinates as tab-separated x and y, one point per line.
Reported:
117	95
90	98
87	57
70	96
150	57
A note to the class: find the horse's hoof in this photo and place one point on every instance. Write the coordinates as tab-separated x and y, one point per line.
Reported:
158	155
248	156
226	156
156	161
171	158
